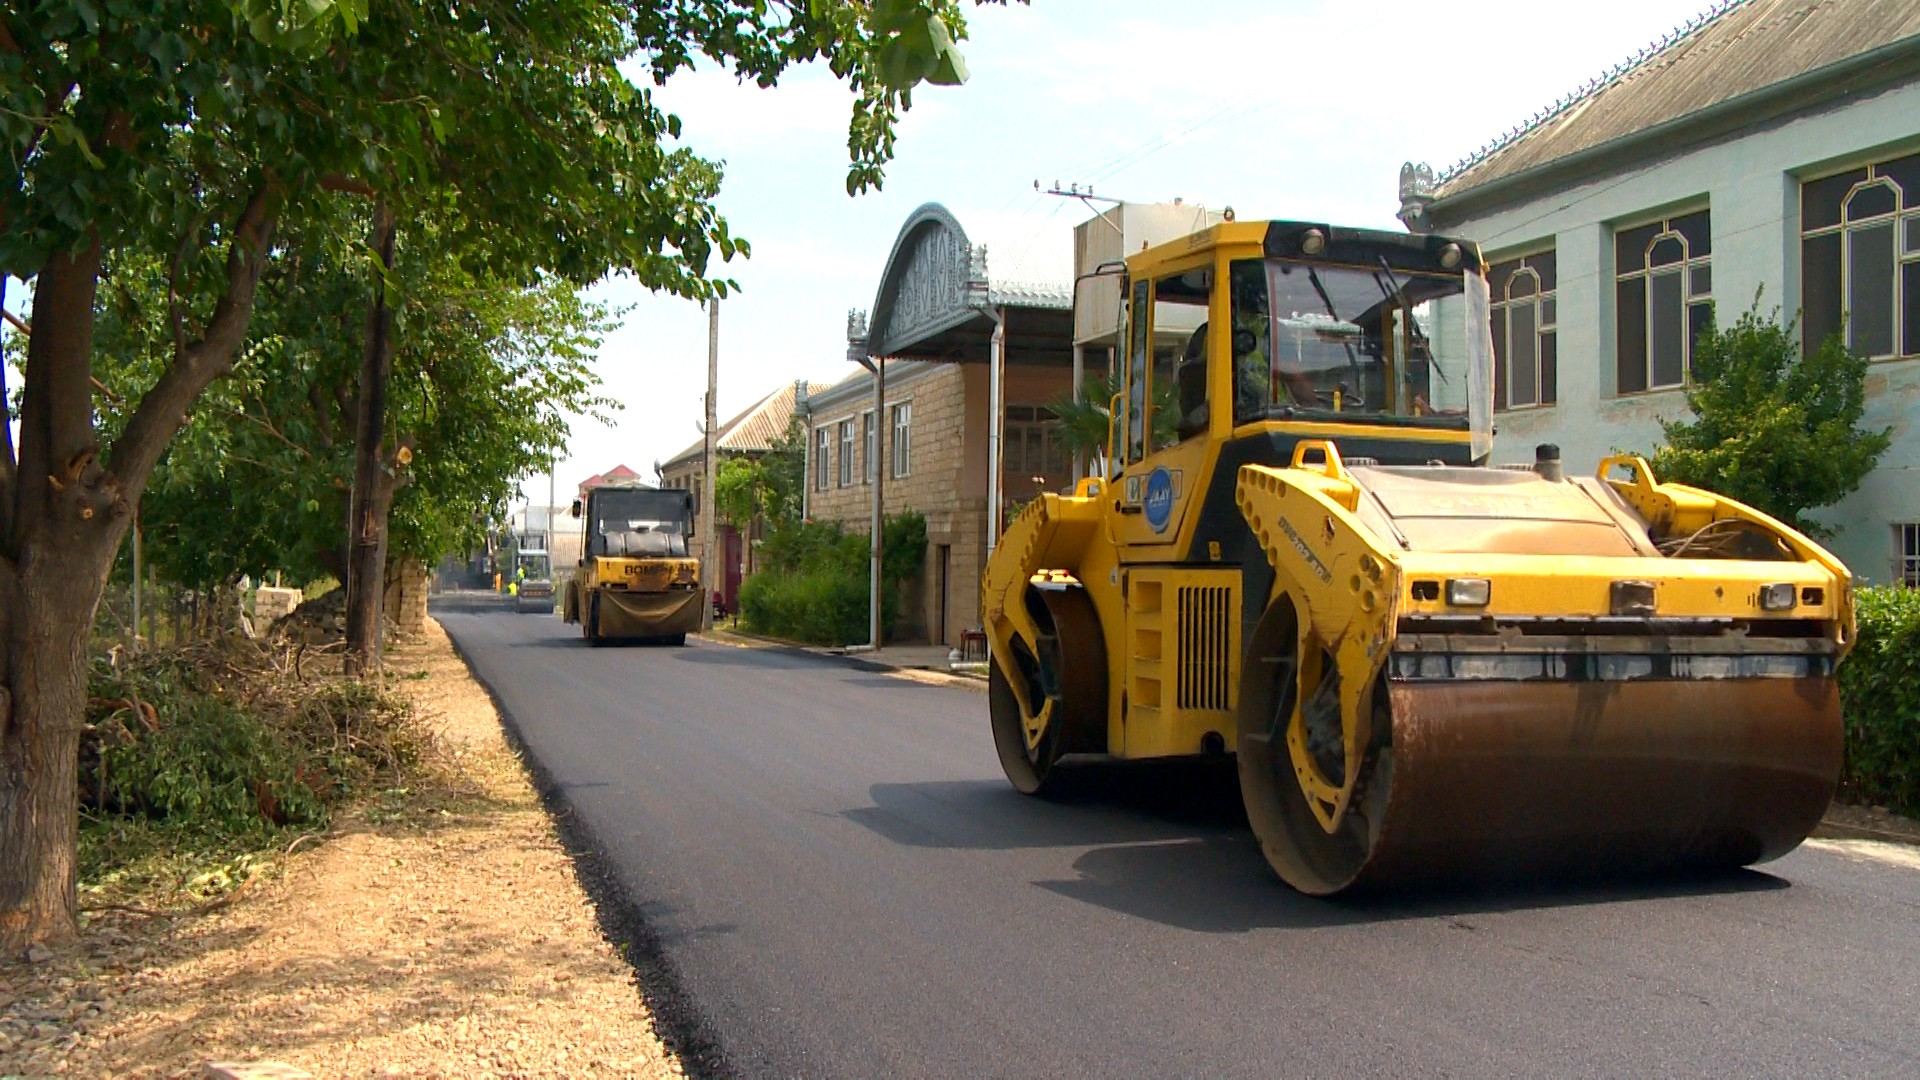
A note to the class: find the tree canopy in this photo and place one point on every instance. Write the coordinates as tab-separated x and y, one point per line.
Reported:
1775	430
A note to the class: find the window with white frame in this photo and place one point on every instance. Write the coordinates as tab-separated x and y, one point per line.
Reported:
822	454
1906	554
866	447
1860	258
1525	354
902	438
1663	300
846	453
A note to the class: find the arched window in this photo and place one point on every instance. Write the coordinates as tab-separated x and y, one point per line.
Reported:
1662	291
1525	360
1860	258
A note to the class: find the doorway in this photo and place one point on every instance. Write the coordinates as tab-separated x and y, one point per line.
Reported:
943	555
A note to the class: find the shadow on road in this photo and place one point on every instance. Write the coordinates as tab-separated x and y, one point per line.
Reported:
1169	842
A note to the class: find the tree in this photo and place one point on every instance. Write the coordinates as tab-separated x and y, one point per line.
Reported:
192	130
485	373
764	485
1772	429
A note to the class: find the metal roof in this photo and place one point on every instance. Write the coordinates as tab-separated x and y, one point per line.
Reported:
755	429
1733	49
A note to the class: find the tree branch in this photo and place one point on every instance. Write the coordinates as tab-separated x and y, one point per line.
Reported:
347	184
164	408
267	426
176	312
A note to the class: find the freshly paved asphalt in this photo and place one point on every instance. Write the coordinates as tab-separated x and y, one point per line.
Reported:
844	886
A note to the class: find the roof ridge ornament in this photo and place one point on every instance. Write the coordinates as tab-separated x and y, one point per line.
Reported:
979	284
1416	194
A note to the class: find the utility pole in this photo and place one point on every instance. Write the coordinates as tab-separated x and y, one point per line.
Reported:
710	526
878	465
138	567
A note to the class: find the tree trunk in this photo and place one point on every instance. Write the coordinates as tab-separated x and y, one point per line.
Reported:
62	517
372	487
67	525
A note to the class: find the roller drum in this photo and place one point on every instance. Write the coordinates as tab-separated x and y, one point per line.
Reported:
1495	779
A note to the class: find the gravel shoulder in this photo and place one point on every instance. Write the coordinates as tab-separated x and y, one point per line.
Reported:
439	931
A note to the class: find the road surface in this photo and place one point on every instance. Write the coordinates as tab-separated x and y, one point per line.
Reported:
844	886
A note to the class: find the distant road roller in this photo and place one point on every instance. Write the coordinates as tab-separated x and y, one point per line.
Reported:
636	580
1429	666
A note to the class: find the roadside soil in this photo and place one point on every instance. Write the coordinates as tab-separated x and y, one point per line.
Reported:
440	931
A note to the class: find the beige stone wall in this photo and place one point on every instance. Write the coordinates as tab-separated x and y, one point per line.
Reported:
406	597
946	481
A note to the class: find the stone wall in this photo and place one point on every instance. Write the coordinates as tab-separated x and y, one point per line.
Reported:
406	596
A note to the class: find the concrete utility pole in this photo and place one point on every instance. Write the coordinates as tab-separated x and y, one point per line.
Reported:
996	421
709	525
878	465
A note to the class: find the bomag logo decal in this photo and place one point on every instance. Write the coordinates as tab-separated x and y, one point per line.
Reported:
1300	545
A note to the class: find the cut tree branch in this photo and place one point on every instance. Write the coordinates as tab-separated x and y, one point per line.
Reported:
164	408
347	184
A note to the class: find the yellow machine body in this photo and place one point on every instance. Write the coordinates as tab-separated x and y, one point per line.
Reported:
1428	665
636	579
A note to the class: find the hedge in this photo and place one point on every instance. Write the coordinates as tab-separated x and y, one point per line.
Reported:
812	585
1880	698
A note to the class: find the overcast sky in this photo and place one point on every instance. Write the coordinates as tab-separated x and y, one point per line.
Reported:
1278	108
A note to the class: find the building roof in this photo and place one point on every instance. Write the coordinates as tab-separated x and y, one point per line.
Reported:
1734	49
617	474
754	430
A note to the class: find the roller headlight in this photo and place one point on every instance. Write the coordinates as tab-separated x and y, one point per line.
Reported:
1778	597
1469	592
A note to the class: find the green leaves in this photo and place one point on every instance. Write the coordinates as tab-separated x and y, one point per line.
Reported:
1771	429
915	47
1880	699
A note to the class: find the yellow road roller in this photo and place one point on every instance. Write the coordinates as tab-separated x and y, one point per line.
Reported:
636	580
1298	550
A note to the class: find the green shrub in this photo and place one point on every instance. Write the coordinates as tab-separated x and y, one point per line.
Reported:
1880	697
189	739
812	584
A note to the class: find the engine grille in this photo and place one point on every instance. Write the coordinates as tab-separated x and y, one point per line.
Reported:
1204	615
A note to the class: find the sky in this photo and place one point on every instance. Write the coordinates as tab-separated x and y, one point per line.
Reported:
1277	108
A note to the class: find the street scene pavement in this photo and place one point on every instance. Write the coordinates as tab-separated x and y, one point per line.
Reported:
841	883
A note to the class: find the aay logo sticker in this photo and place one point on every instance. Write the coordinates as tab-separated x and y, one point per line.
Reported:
1159	500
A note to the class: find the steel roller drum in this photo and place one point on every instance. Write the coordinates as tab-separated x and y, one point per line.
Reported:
1487	779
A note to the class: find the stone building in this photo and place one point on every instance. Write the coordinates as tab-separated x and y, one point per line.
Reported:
1770	147
936	462
972	350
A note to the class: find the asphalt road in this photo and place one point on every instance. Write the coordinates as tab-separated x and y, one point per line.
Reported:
844	886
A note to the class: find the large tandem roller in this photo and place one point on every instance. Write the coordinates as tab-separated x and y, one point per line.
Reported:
1429	667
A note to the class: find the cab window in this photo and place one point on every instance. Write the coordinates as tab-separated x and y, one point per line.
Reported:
1180	334
1137	351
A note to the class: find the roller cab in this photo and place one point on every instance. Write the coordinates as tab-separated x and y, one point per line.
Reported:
1299	552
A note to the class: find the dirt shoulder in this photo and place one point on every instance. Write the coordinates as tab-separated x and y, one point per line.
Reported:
441	931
